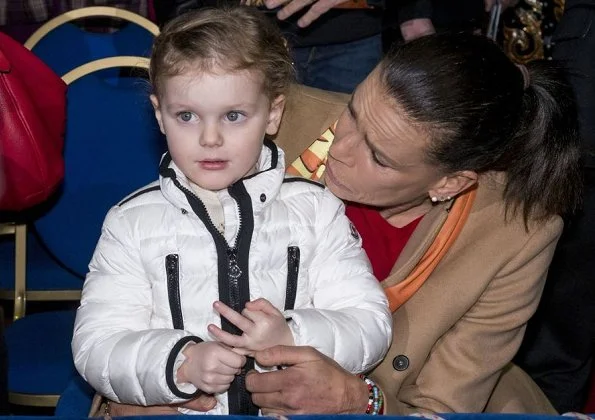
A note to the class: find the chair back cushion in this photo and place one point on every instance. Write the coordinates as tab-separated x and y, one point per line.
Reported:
113	147
68	46
32	120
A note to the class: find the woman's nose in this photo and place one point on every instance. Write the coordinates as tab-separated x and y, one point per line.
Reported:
344	147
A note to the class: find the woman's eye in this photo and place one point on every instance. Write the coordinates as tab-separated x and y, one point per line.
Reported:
376	161
185	116
234	116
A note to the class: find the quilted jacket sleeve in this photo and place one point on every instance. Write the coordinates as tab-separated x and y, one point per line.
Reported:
113	347
351	322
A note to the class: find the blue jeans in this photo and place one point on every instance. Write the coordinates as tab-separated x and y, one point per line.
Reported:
337	67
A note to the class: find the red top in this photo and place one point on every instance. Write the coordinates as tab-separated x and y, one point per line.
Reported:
382	241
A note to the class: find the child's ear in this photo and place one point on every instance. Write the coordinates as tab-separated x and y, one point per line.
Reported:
275	114
155	103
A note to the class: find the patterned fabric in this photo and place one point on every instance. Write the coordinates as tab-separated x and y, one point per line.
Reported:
311	163
23	11
19	12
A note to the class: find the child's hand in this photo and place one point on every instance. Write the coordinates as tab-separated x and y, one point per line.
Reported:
210	366
263	326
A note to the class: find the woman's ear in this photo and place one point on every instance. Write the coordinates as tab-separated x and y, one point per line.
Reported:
452	185
155	103
275	114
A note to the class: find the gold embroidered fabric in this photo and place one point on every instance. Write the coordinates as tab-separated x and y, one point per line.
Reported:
528	27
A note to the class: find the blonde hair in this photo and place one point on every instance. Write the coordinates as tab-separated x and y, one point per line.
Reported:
231	38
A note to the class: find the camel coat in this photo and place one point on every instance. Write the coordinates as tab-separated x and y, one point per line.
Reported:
455	338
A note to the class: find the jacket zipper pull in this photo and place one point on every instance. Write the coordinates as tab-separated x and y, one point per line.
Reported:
234	269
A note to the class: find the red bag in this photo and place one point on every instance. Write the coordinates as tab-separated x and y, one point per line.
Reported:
32	124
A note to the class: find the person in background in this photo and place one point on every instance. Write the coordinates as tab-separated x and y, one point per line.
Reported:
560	343
334	52
334	43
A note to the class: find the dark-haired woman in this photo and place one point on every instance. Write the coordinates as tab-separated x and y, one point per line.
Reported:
456	166
460	164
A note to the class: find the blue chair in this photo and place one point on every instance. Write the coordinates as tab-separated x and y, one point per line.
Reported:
64	47
112	147
76	399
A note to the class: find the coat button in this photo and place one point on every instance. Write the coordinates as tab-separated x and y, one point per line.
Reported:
263	198
401	362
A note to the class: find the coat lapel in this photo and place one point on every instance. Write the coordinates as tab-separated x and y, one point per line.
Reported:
418	244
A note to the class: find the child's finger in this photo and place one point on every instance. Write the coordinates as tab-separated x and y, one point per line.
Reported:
224	374
230	340
262	305
232	316
243	351
232	360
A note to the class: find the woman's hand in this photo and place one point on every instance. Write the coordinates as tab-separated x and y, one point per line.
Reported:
309	383
262	324
416	28
288	8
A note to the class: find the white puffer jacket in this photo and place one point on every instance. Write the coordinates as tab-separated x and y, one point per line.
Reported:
160	264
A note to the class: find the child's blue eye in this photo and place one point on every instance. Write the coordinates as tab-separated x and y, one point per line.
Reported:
234	116
185	116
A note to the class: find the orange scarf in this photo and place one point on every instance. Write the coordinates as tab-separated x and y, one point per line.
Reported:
457	216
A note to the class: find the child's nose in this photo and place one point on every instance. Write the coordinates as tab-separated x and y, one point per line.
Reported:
211	136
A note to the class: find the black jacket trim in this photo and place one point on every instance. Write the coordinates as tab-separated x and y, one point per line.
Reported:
236	294
169	368
164	169
233	273
274	158
293	271
172	271
300	179
141	192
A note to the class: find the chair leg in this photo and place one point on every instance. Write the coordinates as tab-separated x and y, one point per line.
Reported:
20	271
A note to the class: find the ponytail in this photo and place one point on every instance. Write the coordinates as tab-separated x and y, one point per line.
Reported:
484	114
544	174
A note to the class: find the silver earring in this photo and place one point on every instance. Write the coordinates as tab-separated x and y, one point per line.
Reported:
434	199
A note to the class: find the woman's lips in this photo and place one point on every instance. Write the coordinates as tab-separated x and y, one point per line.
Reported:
212	165
330	176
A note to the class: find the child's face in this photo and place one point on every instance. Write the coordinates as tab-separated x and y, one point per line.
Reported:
215	124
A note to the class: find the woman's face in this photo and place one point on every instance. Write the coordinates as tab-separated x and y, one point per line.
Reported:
377	157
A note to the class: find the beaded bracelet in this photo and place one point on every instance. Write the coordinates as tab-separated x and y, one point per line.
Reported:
375	397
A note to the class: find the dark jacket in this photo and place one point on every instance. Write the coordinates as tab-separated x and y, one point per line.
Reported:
335	26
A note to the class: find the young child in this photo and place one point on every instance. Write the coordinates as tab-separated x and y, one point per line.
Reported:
224	255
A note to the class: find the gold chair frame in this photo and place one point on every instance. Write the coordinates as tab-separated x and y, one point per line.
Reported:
21	295
86	12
